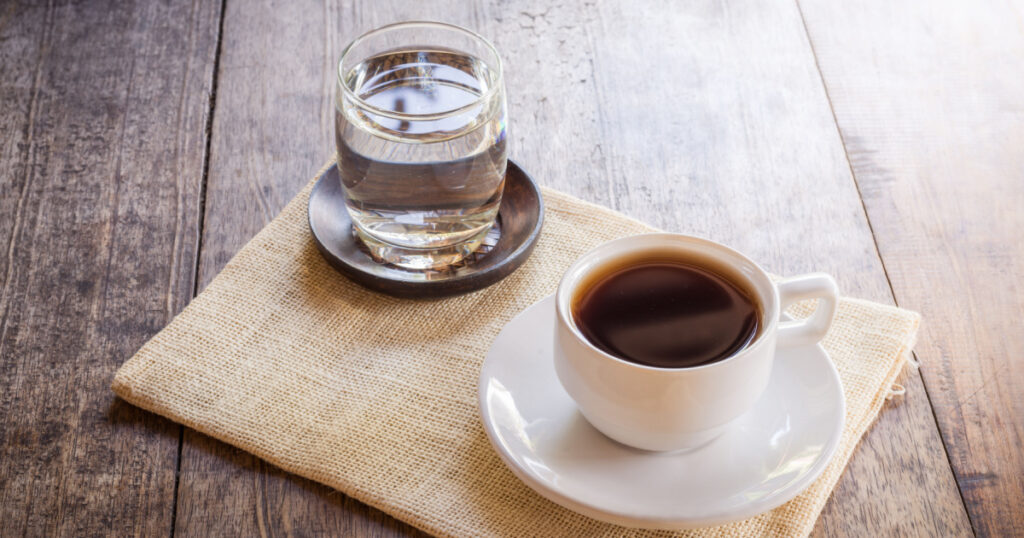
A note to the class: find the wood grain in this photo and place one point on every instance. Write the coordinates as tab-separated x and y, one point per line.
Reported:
930	102
103	109
708	118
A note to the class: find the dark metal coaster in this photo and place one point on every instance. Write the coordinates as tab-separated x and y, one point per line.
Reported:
506	247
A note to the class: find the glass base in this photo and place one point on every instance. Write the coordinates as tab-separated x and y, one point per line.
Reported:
415	259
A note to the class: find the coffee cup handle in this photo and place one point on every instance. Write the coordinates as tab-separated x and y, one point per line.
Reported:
801	288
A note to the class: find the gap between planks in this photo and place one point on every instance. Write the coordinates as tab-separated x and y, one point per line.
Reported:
208	133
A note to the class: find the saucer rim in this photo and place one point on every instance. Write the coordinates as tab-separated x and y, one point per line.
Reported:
606	515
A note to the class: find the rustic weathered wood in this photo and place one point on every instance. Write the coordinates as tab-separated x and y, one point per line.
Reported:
102	113
929	98
709	118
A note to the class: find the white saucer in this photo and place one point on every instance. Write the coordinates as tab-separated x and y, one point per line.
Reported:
769	456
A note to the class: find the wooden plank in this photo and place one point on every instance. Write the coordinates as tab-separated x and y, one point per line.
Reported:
272	130
930	102
708	118
102	109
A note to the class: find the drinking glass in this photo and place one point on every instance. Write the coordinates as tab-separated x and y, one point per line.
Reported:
420	129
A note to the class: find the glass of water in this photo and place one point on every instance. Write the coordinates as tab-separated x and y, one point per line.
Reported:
420	130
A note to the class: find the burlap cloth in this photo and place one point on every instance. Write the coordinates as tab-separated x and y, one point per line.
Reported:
375	396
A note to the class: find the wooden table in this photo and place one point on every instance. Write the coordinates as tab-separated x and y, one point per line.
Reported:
144	143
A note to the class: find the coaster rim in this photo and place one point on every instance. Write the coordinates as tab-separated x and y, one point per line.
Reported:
522	218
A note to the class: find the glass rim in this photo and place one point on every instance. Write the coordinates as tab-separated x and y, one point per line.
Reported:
484	97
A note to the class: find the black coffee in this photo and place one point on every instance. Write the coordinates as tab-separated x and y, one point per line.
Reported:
666	312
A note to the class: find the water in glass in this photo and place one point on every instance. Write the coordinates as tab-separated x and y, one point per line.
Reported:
422	153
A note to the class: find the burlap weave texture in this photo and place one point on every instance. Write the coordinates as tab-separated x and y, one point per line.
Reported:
375	396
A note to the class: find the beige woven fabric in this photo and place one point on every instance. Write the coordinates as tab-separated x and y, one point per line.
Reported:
376	397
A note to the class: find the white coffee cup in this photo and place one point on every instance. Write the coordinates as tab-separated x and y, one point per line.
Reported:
663	409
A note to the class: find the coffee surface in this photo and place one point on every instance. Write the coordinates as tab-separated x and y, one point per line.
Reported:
666	313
